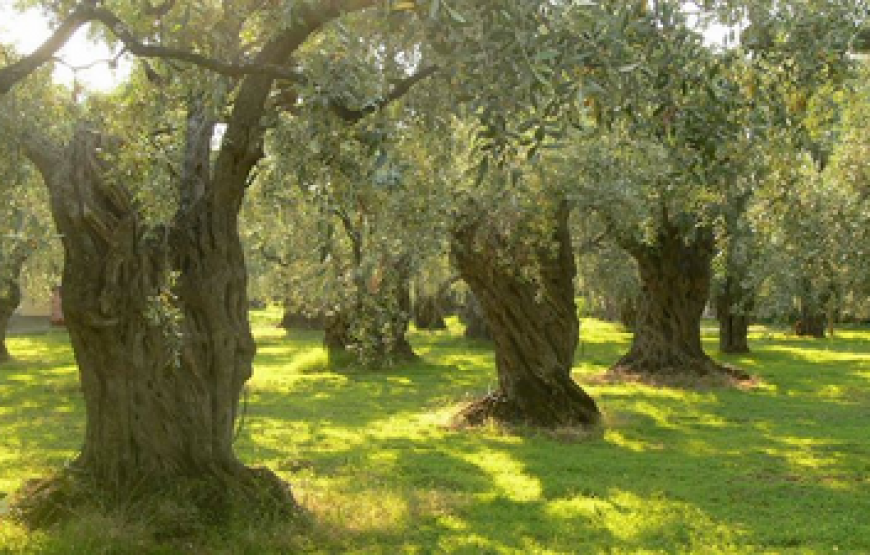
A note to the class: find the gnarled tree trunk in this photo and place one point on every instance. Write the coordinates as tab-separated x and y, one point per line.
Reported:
534	326
675	275
159	317
158	320
162	365
397	344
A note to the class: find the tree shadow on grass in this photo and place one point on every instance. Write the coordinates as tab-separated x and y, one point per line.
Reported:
775	468
676	470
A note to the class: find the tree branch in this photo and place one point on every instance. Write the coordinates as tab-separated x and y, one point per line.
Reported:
242	145
88	13
15	72
400	89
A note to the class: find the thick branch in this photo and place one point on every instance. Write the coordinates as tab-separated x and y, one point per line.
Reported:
242	144
13	73
42	152
87	13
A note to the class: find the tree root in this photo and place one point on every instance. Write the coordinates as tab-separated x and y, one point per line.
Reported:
687	373
175	508
496	408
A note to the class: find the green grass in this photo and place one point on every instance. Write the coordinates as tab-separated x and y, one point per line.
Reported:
783	468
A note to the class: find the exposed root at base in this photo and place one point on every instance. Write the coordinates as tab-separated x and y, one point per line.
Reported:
176	508
701	375
496	409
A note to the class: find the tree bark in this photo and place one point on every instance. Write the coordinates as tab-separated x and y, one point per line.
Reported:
396	345
733	332
675	275
162	364
534	326
158	321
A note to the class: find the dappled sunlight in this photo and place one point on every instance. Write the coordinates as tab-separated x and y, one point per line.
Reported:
618	438
650	520
817	354
368	454
508	475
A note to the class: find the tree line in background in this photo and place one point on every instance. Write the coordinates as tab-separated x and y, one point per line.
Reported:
369	163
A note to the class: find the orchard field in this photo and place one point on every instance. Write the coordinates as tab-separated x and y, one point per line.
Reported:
781	467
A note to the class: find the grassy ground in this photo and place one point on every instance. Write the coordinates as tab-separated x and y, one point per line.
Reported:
784	468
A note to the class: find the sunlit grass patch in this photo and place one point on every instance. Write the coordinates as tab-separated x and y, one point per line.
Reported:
781	468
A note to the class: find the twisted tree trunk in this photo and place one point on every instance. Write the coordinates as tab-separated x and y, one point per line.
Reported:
534	326
158	320
675	278
158	317
162	364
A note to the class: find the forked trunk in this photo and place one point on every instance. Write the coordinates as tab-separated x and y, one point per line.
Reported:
675	283
159	327
534	326
158	317
162	364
